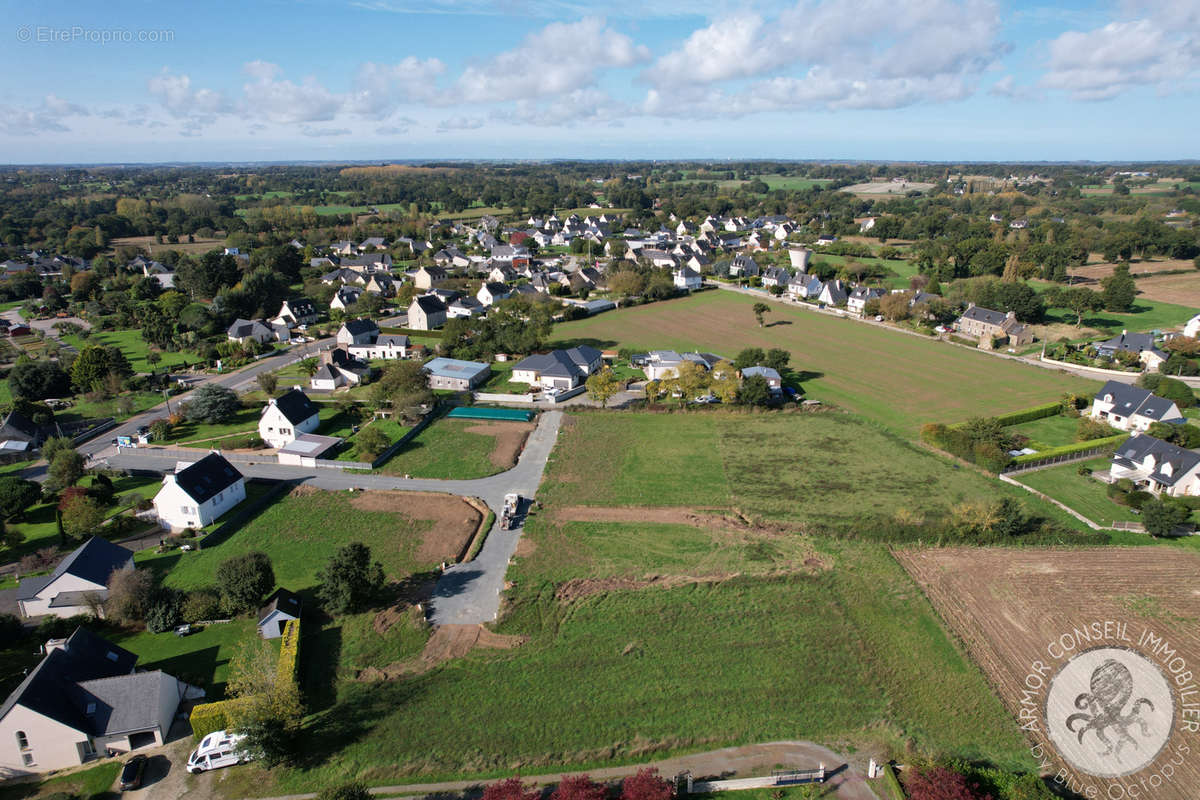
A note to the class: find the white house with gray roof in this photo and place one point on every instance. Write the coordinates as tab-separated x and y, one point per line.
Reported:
558	369
77	584
199	493
1129	408
1156	466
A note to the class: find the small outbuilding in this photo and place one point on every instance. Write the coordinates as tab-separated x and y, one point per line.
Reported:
281	607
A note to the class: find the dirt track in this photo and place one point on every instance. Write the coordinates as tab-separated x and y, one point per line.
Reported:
447	642
454	520
664	514
510	438
1009	606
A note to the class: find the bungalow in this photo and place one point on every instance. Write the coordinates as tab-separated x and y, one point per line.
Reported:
858	299
372	243
825	240
281	607
426	277
1156	466
491	293
387	346
297	311
1129	408
426	312
558	369
198	494
986	325
1140	343
84	699
687	278
77	584
286	417
339	368
660	364
772	377
246	330
345	297
453	374
357	331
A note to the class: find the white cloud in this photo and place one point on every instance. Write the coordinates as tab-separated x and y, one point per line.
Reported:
834	54
1160	50
573	108
47	118
559	58
460	123
269	97
396	127
309	130
379	88
176	95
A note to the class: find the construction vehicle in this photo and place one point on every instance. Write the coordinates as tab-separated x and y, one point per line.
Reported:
512	505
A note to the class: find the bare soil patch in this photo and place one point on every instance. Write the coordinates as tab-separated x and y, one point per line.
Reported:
579	588
1009	606
454	520
148	244
447	642
888	187
1095	272
1182	289
510	439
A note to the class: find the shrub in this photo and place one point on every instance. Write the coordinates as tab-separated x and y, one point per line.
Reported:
164	611
244	580
202	604
1137	499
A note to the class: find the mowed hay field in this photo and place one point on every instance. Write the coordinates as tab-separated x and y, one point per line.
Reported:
899	380
1007	606
1183	289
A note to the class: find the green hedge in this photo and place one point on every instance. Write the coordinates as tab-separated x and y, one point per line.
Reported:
211	717
891	783
1068	449
1030	414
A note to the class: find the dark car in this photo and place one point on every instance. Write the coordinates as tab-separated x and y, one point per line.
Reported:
131	773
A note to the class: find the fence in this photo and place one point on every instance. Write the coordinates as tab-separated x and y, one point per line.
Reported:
491	397
1039	463
403	440
789	777
1115	374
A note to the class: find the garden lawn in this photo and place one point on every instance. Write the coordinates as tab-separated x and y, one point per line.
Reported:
1047	432
135	347
95	783
445	449
245	420
95	409
394	430
201	659
1147	315
900	380
1080	492
300	532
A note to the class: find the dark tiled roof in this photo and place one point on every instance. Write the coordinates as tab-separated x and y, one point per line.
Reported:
1132	453
283	600
1129	400
986	315
357	327
93	561
207	477
429	303
295	406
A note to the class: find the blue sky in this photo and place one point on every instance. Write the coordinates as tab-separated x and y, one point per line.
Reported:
393	79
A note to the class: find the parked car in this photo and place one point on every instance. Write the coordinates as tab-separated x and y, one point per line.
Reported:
132	773
218	749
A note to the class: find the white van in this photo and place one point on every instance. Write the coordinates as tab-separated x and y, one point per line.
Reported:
218	749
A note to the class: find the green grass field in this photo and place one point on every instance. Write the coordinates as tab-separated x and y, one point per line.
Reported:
135	347
1047	432
791	183
1080	492
95	783
446	449
899	380
1148	315
201	659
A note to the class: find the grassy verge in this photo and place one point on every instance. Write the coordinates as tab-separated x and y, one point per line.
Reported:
446	449
1083	493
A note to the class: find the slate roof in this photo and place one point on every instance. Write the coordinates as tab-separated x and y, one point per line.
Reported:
122	703
301	307
430	303
561	363
766	372
242	328
295	406
495	288
1129	400
1128	342
1133	452
92	561
980	314
282	600
325	373
357	327
207	478
392	340
16	422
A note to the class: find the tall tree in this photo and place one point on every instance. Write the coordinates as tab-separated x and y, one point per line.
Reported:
759	310
603	385
1118	289
350	580
244	581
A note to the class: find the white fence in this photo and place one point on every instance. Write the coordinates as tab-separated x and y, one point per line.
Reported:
780	778
487	397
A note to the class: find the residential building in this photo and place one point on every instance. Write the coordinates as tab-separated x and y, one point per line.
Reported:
297	311
357	331
491	293
453	374
387	346
77	585
833	293
688	279
558	369
743	267
862	295
1156	466
345	297
286	417
776	276
198	494
83	700
1140	343
987	325
249	330
339	368
1130	408
426	312
17	427
426	277
1192	328
769	374
660	364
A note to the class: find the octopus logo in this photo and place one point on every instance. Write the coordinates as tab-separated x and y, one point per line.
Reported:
1109	712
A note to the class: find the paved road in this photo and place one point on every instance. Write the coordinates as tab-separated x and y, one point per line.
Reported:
741	762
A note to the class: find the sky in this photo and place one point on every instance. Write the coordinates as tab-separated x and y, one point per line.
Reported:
290	80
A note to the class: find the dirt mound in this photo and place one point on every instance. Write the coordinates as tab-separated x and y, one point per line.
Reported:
454	520
447	642
510	439
579	588
304	490
670	515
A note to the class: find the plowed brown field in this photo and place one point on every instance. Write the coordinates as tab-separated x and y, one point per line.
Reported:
1008	606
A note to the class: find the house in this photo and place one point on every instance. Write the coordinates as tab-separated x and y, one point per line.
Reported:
247	330
381	284
1129	408
198	494
286	417
805	287
687	278
743	267
451	373
660	364
463	307
825	240
833	293
387	346
341	275
357	331
339	368
558	369
426	277
17	427
858	299
987	325
1140	343
491	293
297	311
776	276
426	312
772	377
1156	466
345	297
372	243
281	607
77	584
1192	328
83	700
